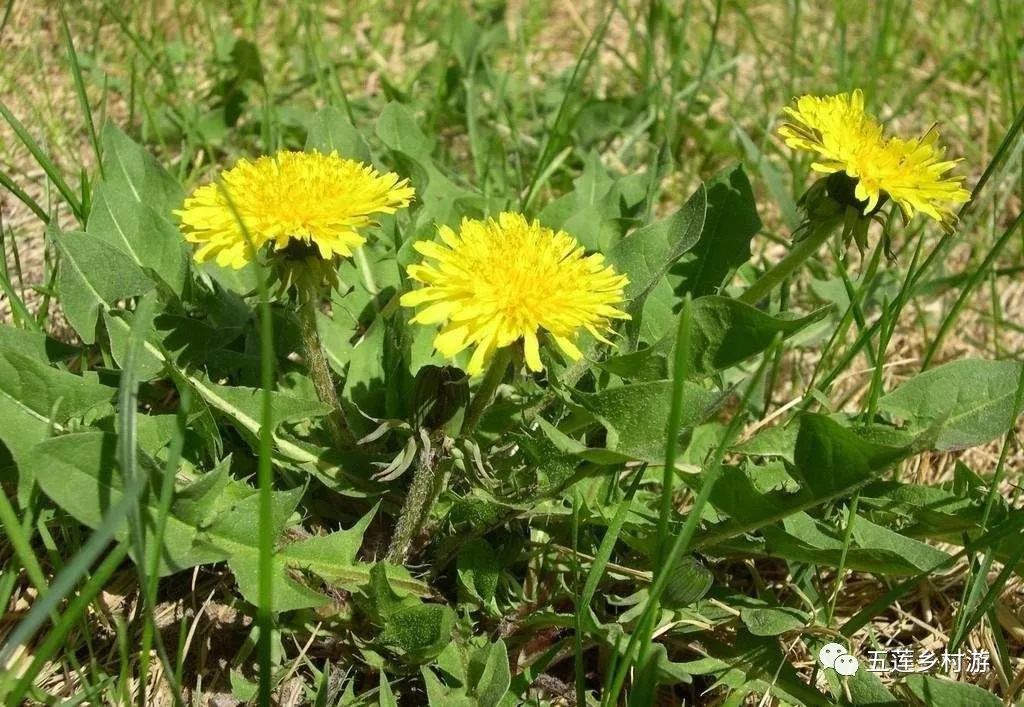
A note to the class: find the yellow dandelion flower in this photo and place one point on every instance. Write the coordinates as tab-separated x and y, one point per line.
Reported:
847	139
319	200
498	281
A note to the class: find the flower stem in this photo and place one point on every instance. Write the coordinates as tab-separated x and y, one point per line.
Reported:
419	500
426	486
485	393
341	434
784	268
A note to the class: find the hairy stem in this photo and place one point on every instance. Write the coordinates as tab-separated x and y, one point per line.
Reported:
426	481
323	381
418	501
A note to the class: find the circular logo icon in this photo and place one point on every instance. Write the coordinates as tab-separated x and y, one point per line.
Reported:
847	665
828	654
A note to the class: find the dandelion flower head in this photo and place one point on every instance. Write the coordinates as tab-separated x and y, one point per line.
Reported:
499	281
314	199
846	138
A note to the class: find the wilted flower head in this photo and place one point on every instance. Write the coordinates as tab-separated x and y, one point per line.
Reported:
310	202
846	139
497	281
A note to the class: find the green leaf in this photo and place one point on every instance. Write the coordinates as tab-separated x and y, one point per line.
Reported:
830	462
287	407
387	697
803	538
553	457
754	664
331	131
79	472
646	255
636	416
668	672
772	620
592	208
240	411
189	342
419	632
35	344
93	276
474	511
35	397
242	688
442	695
689	581
366	376
380	598
478	568
778	441
236	532
340	546
495	678
948	693
118	326
213	519
970	400
21	430
863	688
476	674
416	631
724	332
241	406
131	210
139	232
48	393
331	558
441	199
400	132
943	511
919	555
724	244
127	166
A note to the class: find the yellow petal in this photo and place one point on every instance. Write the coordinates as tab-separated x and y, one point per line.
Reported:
451	341
431	249
567	347
415	298
532	350
480	357
435	313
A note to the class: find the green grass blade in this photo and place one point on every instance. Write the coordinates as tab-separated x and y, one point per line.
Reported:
44	161
55	639
713	471
597	568
76	74
264	472
21	545
555	135
19	310
977	275
154	546
680	372
9	184
859	620
967	616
